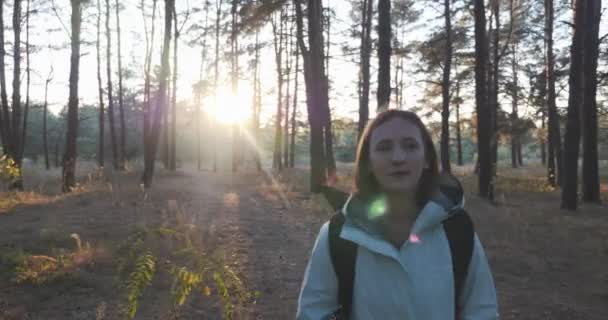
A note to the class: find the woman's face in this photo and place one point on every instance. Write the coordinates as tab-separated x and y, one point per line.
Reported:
397	155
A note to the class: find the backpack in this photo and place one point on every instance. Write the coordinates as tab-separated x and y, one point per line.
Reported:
459	231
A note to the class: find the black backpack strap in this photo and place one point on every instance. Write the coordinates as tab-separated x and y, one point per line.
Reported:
461	236
343	257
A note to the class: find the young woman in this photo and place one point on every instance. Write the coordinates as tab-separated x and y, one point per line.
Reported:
405	260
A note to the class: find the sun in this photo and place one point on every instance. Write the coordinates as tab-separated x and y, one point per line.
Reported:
232	109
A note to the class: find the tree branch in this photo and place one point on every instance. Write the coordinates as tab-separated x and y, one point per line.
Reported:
60	21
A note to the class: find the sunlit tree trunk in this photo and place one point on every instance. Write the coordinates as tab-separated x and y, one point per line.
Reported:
121	107
277	162
218	6
27	77
161	102
6	122
256	101
101	145
234	55
109	81
364	69
148	66
294	110
16	112
314	76
44	120
69	157
384	54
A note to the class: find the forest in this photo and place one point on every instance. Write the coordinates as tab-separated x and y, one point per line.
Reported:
169	159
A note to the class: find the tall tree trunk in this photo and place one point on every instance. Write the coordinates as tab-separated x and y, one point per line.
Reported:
218	6
256	101
458	133
364	71
445	90
314	77
166	125
101	144
27	77
294	108
200	88
16	120
172	146
554	128
161	102
288	63
147	66
109	81
69	157
575	101
44	120
482	108
277	162
384	54
543	154
514	114
6	122
121	106
234	55
590	174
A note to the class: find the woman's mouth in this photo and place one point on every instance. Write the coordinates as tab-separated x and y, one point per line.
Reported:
400	173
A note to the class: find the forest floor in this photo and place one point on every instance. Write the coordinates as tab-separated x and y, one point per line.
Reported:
70	256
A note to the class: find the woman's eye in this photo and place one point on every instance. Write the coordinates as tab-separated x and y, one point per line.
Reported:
411	146
383	147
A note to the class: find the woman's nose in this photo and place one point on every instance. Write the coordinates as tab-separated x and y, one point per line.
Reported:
399	155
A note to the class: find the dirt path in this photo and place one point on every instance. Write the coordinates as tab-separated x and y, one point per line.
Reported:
547	264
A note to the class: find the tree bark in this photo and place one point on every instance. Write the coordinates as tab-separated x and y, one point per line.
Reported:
458	133
69	157
44	121
483	115
147	66
161	102
314	77
109	82
589	121
7	140
384	54
218	5
172	146
101	144
17	120
575	100
288	63
445	91
234	45
121	106
555	168
543	154
294	108
27	77
364	71
514	111
257	103
277	162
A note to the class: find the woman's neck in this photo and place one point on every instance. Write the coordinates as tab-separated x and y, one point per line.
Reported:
402	206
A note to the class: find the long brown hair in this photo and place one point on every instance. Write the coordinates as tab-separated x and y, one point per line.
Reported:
365	182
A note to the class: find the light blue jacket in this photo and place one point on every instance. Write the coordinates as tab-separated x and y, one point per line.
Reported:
415	282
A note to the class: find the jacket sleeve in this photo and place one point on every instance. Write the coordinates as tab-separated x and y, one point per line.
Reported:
318	296
478	300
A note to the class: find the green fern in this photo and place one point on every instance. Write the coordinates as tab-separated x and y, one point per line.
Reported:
224	294
140	278
184	281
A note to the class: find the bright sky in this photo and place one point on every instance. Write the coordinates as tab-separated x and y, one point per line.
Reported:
343	72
